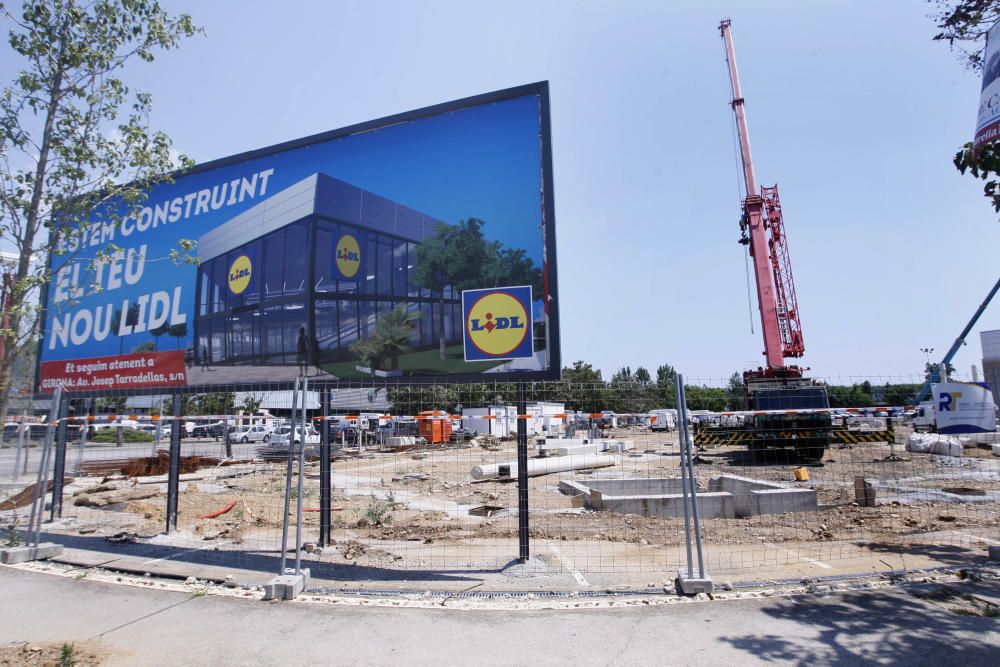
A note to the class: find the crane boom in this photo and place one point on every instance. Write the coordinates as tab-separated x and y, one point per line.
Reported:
764	232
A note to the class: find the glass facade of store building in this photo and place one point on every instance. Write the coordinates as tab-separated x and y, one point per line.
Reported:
293	294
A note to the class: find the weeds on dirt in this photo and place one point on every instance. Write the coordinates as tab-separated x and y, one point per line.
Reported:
10	537
67	657
379	511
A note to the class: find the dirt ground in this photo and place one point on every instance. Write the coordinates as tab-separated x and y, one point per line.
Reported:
24	654
392	509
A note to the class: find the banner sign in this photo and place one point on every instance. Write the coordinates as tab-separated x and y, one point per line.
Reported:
964	407
988	121
335	255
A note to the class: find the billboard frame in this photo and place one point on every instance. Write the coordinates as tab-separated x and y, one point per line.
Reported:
550	266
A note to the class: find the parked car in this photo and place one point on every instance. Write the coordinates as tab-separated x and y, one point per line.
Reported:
216	430
280	437
250	434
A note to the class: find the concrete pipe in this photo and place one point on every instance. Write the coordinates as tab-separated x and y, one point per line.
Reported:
542	466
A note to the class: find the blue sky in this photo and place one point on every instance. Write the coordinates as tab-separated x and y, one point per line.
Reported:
853	110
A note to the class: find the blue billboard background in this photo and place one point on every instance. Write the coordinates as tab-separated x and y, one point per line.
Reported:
482	161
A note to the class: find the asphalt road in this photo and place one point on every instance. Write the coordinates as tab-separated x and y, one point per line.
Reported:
144	626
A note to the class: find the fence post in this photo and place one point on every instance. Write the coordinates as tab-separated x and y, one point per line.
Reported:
324	471
20	447
688	582
522	475
288	477
174	469
59	466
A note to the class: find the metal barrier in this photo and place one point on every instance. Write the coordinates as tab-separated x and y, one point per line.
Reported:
474	477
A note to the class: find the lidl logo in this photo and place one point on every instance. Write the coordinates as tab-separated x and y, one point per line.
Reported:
348	256
497	323
240	274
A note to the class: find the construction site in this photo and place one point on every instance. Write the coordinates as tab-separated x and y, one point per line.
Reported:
517	479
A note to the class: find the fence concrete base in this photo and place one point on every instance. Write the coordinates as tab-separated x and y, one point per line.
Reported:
43	551
692	585
286	586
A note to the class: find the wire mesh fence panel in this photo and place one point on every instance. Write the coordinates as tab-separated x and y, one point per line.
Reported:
424	479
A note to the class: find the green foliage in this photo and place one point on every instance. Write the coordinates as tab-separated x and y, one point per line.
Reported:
931	368
75	139
128	435
459	256
735	399
379	511
67	656
10	537
964	25
391	338
208	404
849	397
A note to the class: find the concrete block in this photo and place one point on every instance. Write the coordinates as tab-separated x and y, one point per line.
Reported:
571	450
779	501
692	585
994	553
27	553
286	586
619	446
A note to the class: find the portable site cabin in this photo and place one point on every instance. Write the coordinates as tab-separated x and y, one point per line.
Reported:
434	426
496	420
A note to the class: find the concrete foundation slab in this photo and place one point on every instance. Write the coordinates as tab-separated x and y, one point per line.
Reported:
24	554
728	497
286	586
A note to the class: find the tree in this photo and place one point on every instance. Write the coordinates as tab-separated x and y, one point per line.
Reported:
622	376
929	369
157	332
391	337
453	256
735	392
394	329
460	257
642	375
666	379
582	373
75	139
178	331
964	24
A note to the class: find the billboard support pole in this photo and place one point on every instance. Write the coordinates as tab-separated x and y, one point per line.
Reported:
324	472
61	408
174	468
303	420
522	475
288	477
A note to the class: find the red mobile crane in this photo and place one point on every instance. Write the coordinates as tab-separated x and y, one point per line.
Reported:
776	385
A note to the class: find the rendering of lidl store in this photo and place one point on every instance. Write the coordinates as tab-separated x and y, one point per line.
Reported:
303	275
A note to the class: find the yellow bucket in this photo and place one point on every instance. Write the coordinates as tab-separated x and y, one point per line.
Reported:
801	474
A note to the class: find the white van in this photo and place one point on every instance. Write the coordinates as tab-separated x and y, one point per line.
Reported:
662	420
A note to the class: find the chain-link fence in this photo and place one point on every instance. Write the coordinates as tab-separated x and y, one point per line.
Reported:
429	478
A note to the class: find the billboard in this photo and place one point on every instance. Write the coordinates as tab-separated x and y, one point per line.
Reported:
343	256
988	120
964	407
